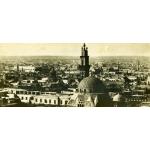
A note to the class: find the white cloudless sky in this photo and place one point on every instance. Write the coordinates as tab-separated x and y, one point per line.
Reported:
74	49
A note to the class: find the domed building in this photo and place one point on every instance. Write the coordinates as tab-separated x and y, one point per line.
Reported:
91	92
90	85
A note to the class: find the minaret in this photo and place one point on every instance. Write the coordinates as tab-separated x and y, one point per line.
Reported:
17	68
138	65
4	78
118	65
84	67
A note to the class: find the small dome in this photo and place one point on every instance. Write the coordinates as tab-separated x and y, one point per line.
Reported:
91	85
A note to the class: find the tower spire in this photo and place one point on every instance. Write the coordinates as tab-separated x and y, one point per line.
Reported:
84	67
84	46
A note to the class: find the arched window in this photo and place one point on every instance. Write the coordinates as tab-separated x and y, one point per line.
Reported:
54	101
45	100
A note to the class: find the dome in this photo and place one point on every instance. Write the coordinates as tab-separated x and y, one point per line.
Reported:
91	85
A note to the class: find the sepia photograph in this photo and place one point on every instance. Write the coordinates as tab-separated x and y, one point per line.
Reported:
75	75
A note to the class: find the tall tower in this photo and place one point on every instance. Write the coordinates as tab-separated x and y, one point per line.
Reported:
138	65
84	67
118	65
4	78
17	68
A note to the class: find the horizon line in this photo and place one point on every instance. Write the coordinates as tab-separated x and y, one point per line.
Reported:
72	56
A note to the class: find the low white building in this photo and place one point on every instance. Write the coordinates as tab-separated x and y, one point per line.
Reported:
25	98
54	100
25	68
45	99
148	80
39	98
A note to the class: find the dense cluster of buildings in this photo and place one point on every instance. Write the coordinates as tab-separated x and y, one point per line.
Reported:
107	82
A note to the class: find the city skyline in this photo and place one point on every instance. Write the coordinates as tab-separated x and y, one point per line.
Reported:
74	49
62	82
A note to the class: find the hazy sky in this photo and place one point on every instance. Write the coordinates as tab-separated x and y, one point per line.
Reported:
74	49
